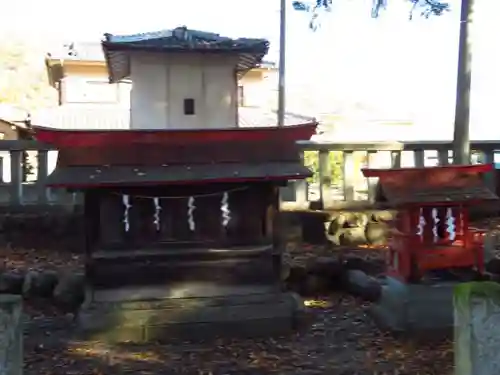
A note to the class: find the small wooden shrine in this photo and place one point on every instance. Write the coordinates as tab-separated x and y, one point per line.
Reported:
181	221
431	230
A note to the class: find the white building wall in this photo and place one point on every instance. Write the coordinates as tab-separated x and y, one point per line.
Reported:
162	83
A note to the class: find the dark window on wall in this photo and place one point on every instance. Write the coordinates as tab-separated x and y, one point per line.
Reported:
189	106
241	96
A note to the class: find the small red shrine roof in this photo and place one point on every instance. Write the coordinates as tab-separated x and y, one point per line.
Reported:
436	185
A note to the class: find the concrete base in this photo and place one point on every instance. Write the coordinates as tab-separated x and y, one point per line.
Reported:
199	318
415	308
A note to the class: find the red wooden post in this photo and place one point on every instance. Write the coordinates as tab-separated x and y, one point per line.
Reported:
428	230
458	223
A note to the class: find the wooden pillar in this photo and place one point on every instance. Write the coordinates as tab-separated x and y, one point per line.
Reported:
428	230
458	223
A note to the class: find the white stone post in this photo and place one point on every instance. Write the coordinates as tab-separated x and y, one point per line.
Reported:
11	335
477	328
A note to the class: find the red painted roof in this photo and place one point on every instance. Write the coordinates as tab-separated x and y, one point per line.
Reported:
436	185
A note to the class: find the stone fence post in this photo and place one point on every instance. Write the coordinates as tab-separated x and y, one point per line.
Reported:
11	335
477	328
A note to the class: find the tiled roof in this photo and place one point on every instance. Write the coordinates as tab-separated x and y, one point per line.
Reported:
83	117
255	116
113	117
81	51
92	51
84	177
181	39
12	113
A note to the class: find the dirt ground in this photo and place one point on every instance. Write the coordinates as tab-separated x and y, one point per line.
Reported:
340	340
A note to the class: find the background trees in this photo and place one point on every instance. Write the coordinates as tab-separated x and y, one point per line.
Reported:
23	77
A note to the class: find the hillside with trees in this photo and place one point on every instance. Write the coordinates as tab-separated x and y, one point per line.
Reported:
23	78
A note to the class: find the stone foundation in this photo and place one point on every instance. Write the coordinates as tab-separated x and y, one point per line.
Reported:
415	308
246	315
477	333
11	335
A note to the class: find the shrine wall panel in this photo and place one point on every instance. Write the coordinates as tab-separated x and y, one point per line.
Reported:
157	155
163	83
222	216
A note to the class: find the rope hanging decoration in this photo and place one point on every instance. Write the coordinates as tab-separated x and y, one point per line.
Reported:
226	212
191	206
126	203
157	223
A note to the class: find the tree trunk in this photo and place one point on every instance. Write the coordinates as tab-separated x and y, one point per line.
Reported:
461	138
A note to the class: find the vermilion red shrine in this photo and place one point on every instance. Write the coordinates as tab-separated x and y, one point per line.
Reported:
181	207
431	230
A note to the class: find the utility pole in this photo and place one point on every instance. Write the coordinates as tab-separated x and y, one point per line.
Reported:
461	137
282	63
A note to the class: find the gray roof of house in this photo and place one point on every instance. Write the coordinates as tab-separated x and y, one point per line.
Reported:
12	113
92	51
78	51
184	39
102	117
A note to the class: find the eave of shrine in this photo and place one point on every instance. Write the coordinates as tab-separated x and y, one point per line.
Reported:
87	177
87	138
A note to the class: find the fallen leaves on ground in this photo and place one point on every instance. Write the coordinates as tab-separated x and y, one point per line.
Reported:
341	339
39	259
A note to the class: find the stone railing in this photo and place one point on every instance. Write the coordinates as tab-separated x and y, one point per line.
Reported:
337	181
24	167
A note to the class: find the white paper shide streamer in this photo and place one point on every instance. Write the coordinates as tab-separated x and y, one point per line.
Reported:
126	203
226	212
191	208
156	221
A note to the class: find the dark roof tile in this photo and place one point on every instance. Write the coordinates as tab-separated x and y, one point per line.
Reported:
181	39
81	177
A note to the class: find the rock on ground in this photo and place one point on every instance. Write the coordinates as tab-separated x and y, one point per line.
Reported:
11	282
40	284
69	293
360	284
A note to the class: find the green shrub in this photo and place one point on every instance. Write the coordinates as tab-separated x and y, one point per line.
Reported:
311	160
